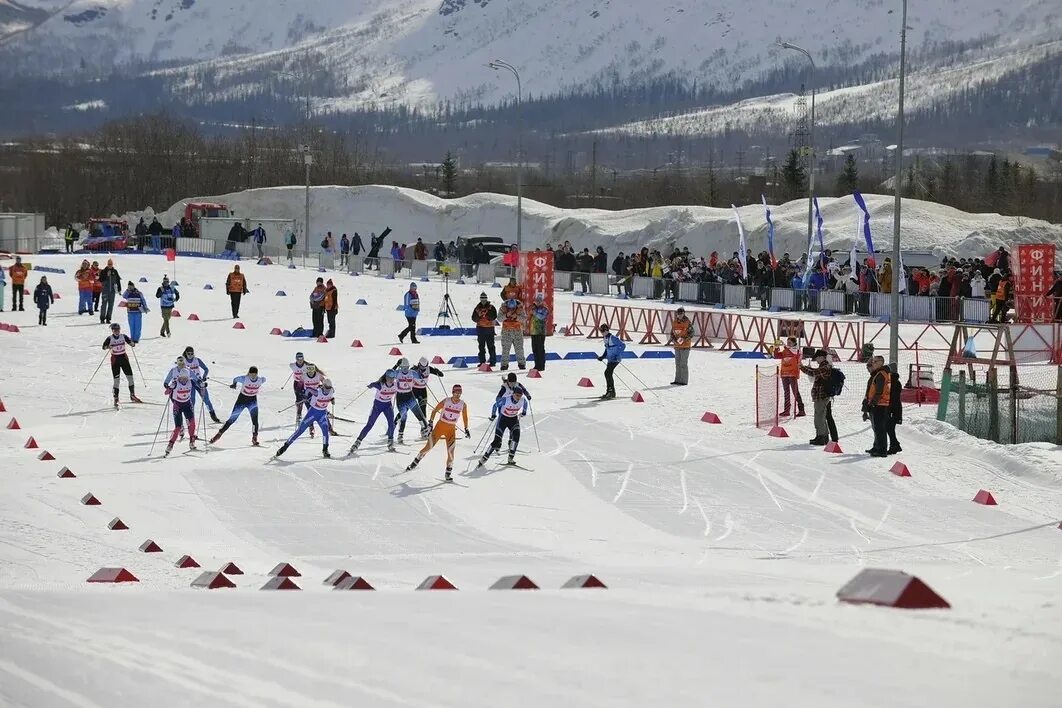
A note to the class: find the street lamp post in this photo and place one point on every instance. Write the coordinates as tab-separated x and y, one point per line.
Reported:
307	156
497	65
894	324
811	138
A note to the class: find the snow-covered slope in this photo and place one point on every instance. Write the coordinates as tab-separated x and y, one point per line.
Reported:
925	88
412	214
722	547
419	51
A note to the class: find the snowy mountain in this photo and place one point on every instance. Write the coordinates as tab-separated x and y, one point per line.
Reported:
418	52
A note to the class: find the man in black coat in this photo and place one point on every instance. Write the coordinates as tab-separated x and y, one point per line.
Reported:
895	411
484	316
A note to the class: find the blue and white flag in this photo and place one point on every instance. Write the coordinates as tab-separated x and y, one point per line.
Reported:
811	243
742	250
770	233
861	203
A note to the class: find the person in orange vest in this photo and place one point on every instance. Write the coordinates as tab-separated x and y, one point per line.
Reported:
84	279
484	315
512	335
682	339
876	405
331	307
97	286
236	287
1001	304
790	355
512	291
17	272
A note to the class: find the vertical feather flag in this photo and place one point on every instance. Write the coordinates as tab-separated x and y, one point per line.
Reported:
861	203
770	233
852	257
902	287
811	244
742	250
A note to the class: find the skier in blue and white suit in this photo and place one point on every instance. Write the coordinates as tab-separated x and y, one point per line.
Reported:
317	412
407	400
386	389
201	372
508	409
249	386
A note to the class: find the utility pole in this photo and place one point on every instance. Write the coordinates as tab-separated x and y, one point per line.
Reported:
811	147
593	175
894	318
307	159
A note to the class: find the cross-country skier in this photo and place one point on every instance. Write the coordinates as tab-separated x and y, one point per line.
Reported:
312	378
614	347
449	410
509	384
508	409
199	370
180	392
319	399
406	401
420	386
386	389
298	370
249	386
117	343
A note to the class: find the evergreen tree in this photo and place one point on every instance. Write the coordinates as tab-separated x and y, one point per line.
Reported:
848	180
992	183
449	174
794	176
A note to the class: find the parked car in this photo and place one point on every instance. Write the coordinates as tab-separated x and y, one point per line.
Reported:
106	235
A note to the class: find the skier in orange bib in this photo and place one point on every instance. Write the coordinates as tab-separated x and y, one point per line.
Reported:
448	410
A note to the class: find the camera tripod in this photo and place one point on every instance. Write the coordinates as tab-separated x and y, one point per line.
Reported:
447	309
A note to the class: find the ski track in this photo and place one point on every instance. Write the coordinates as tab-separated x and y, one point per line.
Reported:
839	513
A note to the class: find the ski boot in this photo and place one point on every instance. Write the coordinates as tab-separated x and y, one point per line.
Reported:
784	414
521	366
800	413
400	438
134	398
355	446
512	459
281	451
483	458
169	449
214	418
254	439
425	431
413	465
324	452
217	436
608	395
191	443
449	477
391	446
116	404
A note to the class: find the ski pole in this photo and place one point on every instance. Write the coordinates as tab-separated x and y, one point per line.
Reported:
484	437
285	384
133	349
535	428
96	371
644	385
296	403
351	400
165	410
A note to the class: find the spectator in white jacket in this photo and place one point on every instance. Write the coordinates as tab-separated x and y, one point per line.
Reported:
977	285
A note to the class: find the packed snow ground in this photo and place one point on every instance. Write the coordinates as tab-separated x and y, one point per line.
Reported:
722	547
412	214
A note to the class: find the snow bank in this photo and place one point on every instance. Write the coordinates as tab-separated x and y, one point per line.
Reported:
412	214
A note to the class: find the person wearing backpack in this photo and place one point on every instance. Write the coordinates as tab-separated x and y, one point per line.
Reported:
289	243
823	384
614	348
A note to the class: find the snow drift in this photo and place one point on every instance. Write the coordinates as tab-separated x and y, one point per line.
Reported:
412	214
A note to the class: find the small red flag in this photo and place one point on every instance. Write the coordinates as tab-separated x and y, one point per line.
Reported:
171	254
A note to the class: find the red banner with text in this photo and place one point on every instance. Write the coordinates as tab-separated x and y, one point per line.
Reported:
536	271
1034	277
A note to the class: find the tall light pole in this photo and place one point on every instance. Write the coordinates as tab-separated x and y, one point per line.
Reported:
811	137
497	65
305	150
894	323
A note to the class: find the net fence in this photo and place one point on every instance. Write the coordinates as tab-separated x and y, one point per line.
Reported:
767	385
1007	405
